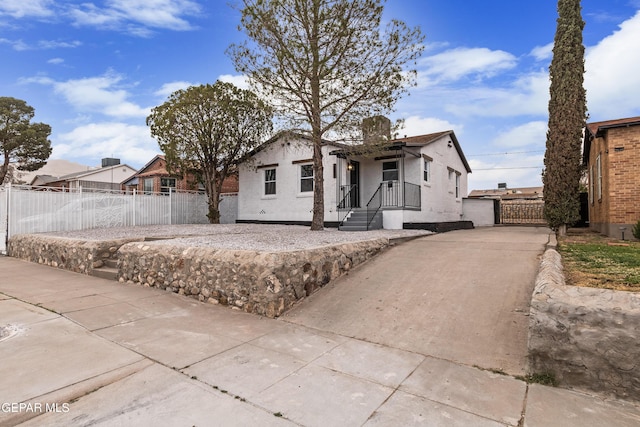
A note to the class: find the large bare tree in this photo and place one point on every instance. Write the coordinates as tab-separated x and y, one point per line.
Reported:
208	129
326	64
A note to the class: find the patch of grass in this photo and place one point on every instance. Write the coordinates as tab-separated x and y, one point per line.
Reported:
601	262
544	378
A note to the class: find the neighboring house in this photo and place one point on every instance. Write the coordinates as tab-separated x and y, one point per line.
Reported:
107	177
504	193
154	178
414	182
43	180
50	172
611	154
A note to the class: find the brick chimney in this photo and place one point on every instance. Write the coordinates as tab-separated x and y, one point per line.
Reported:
376	129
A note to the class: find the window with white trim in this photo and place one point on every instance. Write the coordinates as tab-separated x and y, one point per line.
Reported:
306	178
390	171
269	182
457	185
427	170
599	176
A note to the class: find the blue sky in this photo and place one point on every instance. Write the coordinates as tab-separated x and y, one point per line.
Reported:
93	70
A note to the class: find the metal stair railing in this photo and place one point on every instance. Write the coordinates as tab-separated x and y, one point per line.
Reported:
374	205
345	204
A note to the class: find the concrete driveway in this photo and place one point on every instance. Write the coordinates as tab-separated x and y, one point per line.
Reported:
462	296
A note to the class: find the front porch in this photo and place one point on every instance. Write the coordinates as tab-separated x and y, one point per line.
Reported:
363	197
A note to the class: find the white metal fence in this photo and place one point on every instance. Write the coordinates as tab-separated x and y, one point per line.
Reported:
25	209
4	203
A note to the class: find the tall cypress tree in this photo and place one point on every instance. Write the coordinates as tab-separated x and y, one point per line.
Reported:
567	119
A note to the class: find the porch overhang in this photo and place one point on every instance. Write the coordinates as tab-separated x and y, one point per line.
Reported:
364	150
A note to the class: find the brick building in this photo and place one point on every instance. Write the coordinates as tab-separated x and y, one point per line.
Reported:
612	157
154	178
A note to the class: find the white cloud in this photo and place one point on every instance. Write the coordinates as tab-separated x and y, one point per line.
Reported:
158	13
95	94
55	61
136	17
415	125
132	144
454	64
612	80
20	45
168	88
528	95
542	53
239	81
56	44
517	170
528	134
22	8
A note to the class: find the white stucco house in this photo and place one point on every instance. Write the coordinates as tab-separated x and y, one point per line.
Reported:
107	177
411	182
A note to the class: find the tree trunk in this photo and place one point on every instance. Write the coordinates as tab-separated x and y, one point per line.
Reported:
317	222
562	230
4	167
214	212
213	197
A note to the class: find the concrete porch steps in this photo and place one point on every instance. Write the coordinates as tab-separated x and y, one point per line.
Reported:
357	221
109	270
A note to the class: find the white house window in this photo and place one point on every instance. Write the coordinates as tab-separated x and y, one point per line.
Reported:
599	176
390	171
457	185
167	184
306	178
147	185
269	182
427	170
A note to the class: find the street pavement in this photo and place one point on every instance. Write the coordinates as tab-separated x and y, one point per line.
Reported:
77	350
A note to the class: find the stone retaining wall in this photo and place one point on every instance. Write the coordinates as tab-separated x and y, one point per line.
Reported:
80	256
264	283
588	338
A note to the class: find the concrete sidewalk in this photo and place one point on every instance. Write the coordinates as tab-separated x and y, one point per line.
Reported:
77	350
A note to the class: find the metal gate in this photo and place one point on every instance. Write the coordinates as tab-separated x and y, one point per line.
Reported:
520	212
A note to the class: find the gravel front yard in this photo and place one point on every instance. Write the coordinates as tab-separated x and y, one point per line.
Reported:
257	237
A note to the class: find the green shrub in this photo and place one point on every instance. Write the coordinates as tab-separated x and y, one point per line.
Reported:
636	230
